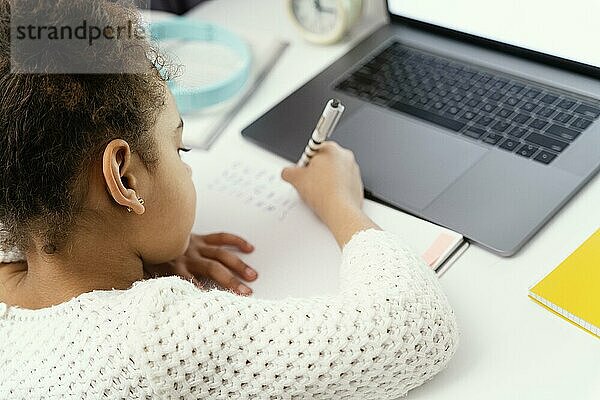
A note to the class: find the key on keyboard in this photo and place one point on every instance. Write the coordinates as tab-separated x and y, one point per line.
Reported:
497	109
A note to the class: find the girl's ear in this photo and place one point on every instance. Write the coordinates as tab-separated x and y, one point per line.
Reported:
116	170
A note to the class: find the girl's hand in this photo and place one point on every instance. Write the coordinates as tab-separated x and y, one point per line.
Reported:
206	257
332	187
330	181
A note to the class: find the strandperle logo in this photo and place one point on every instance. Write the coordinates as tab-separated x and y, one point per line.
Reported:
78	36
83	31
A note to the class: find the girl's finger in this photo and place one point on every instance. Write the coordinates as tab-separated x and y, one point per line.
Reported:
230	261
223	276
222	239
181	270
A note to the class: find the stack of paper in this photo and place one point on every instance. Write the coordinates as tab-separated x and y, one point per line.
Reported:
201	125
202	63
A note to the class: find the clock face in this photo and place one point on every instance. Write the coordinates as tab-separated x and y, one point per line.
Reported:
317	16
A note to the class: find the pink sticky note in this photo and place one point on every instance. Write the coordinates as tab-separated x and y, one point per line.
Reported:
438	248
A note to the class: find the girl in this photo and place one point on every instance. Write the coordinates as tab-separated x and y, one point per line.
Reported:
99	204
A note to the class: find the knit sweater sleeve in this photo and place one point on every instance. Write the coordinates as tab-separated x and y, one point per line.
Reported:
389	330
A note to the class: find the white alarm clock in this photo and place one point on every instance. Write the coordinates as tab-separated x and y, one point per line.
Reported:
324	21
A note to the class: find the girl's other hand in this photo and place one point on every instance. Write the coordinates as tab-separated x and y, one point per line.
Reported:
207	257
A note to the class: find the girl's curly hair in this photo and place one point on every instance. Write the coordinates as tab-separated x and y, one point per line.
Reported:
54	126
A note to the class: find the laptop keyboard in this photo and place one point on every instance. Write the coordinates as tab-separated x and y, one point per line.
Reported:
500	110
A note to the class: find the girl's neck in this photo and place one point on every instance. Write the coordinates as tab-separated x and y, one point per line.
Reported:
49	280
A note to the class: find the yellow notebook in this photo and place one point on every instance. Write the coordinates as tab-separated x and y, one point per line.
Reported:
572	290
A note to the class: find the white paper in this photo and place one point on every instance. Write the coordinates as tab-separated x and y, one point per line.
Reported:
295	255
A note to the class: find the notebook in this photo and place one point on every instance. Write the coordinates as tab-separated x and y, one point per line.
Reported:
572	290
295	255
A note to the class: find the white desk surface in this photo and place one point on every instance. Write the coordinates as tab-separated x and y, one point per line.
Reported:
510	347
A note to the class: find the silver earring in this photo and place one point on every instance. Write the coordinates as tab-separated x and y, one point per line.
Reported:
142	202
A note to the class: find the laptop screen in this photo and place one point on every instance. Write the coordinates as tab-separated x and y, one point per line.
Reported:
565	29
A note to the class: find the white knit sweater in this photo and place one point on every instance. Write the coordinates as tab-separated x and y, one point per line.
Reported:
389	330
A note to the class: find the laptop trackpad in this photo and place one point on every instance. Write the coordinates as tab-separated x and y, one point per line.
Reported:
404	161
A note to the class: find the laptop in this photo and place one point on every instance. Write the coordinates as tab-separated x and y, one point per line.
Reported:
482	117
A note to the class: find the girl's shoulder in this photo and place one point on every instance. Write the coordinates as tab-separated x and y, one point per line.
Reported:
145	293
153	295
142	297
164	285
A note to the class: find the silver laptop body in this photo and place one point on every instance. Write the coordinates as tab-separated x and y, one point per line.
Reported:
445	167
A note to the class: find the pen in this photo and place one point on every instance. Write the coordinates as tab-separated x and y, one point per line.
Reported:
325	127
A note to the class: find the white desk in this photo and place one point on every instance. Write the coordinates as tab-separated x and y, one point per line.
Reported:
510	347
